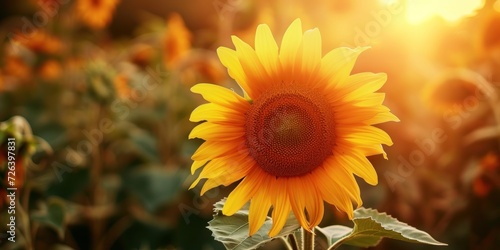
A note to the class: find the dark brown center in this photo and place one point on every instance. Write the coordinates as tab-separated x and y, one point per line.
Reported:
290	131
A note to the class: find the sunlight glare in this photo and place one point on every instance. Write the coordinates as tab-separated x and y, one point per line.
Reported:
388	2
450	10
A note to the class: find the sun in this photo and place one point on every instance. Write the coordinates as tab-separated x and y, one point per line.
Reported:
299	134
450	10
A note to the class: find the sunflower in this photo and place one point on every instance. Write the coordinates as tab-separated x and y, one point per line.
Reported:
455	91
96	13
299	133
176	40
122	87
40	41
50	70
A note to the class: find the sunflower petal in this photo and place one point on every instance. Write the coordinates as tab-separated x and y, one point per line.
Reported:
213	149
342	178
290	44
196	165
381	117
220	95
281	203
362	84
229	58
298	200
348	113
242	193
259	207
337	64
360	166
217	114
333	193
211	131
366	135
311	54
267	50
250	62
232	174
315	207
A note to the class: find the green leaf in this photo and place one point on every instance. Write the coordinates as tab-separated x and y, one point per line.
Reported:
334	233
370	227
155	186
145	144
52	214
233	230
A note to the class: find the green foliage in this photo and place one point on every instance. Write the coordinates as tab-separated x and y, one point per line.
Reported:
232	231
370	227
52	214
155	186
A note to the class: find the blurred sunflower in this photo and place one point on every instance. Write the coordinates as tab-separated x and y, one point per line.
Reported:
486	178
16	68
176	41
121	82
490	37
50	70
39	41
96	13
142	55
302	129
200	66
452	91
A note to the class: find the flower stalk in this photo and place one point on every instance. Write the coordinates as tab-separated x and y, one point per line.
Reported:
307	239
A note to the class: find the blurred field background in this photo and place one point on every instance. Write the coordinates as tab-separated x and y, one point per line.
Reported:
103	85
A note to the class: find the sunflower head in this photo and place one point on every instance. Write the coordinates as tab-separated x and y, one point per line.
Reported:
454	91
176	40
299	133
96	14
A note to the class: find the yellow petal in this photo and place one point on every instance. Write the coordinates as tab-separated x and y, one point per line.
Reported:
362	84
370	100
360	166
213	149
365	135
196	165
337	64
215	113
242	193
289	51
298	200
255	72
349	113
341	179
311	54
229	59
381	117
367	150
314	204
281	205
267	50
259	207
237	170
334	193
220	95
217	132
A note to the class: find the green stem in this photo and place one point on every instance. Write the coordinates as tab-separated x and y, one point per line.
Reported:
287	244
307	239
293	242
